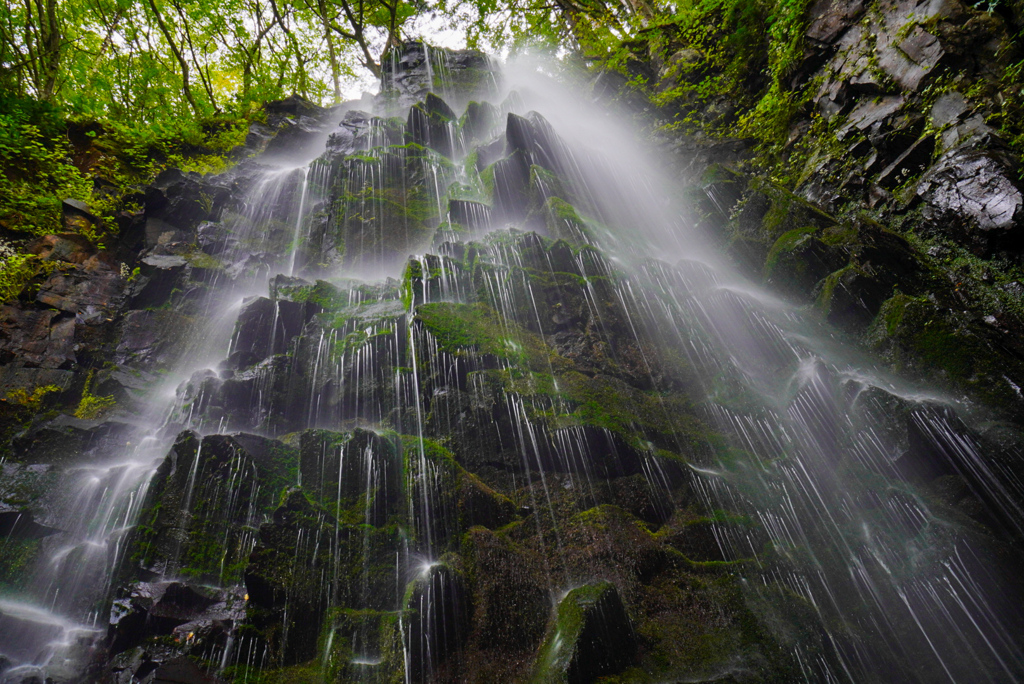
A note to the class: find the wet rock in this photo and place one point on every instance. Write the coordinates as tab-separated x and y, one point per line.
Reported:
471	215
977	194
350	135
203	500
65	440
828	18
909	163
871	114
298	137
146	340
911	60
478	504
283	578
479	121
70	247
195	616
941	445
591	637
160	276
358	468
948	109
410	73
799	259
28	379
176	203
971	133
93	297
949	348
490	153
266	326
15	524
292	106
180	670
438	610
258	136
510	599
432	124
512	187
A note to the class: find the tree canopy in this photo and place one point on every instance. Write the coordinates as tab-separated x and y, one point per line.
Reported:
144	60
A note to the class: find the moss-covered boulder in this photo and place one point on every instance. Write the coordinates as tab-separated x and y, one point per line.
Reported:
590	637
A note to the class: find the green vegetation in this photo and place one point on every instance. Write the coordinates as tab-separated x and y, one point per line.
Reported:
31	400
459	327
91	406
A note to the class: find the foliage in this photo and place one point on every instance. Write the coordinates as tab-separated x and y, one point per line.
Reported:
150	60
31	400
35	171
92	406
15	271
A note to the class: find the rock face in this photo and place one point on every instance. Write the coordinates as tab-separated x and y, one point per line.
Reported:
534	453
906	155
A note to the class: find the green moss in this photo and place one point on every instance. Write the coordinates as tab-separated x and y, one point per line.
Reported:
786	243
917	335
459	328
17	557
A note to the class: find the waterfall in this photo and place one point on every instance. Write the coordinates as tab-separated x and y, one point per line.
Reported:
466	396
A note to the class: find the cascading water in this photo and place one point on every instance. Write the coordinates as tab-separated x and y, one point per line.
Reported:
562	441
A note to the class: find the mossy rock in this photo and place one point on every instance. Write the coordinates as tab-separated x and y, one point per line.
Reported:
591	636
437	610
463	328
198	515
510	597
914	334
798	260
357	475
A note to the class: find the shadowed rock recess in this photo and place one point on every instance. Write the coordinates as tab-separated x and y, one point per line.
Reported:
553	446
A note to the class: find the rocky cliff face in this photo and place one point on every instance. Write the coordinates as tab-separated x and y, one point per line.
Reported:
887	197
528	456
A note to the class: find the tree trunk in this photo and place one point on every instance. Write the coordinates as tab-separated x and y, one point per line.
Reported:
185	89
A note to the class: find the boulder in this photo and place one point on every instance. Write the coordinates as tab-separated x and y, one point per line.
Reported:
590	637
977	195
69	247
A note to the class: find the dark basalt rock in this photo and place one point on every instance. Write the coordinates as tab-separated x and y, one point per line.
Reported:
77	217
266	326
591	637
70	247
433	124
283	578
512	187
16	524
93	295
294	106
360	468
203	500
479	121
471	215
409	73
438	610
